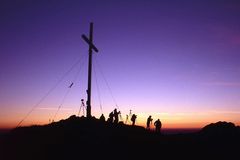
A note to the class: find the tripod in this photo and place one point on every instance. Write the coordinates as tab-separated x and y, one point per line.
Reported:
82	107
128	117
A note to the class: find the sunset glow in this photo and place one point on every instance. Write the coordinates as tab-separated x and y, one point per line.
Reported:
178	62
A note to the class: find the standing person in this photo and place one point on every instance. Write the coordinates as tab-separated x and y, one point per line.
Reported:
133	119
110	118
158	126
149	121
115	114
102	118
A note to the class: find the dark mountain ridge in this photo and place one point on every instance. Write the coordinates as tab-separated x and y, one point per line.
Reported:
79	138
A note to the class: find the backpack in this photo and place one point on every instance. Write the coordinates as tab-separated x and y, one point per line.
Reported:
133	117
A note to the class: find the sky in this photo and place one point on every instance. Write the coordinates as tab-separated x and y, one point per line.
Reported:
175	60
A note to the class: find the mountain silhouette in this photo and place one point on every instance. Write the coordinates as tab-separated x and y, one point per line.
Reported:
82	138
221	129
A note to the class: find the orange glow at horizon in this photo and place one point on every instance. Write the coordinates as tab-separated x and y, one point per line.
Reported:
189	120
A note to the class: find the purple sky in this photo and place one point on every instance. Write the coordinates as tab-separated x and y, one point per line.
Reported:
176	60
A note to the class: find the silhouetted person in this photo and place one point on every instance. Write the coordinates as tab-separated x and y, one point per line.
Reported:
110	118
133	119
158	126
149	121
115	114
102	118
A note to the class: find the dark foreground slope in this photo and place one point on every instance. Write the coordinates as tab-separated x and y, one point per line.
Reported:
81	138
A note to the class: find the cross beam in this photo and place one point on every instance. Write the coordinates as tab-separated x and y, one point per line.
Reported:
89	43
91	47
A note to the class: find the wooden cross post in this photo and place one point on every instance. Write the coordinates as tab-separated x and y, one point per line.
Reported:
91	47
